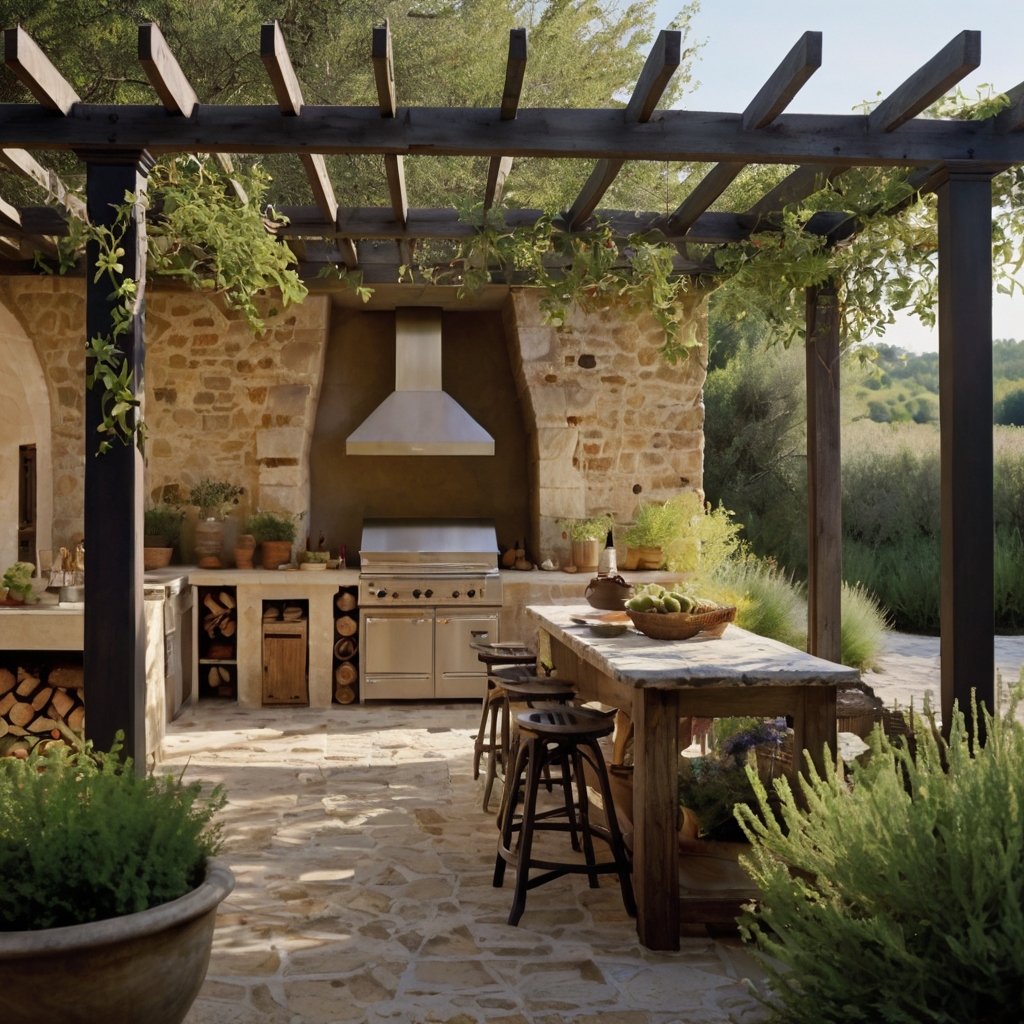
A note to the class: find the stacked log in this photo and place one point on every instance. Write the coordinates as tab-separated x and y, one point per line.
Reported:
221	619
38	707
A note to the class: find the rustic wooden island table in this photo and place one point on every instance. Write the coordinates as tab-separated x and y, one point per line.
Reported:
657	682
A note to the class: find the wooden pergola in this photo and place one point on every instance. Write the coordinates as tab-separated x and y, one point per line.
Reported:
955	158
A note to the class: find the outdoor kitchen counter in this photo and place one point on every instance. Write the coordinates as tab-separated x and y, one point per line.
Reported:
42	627
273	577
657	682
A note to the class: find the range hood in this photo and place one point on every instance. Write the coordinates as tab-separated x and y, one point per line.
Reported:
418	418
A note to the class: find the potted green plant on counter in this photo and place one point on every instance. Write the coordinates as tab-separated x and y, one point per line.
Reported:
162	533
586	538
110	894
214	499
654	528
16	586
275	534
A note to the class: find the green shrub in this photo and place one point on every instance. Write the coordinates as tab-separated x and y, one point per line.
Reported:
898	900
1010	410
214	498
164	521
768	602
83	839
656	525
863	626
271	526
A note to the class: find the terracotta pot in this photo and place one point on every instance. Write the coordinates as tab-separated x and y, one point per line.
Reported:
246	542
155	540
631	560
586	554
208	543
649	558
275	553
243	558
156	558
144	968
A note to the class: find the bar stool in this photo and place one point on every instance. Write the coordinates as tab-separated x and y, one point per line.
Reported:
569	735
493	657
513	687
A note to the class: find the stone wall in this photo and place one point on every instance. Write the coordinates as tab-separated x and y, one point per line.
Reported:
220	401
610	420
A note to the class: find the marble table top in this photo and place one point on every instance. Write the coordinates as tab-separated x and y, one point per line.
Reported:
738	658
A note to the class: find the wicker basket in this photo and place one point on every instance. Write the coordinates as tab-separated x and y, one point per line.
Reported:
681	625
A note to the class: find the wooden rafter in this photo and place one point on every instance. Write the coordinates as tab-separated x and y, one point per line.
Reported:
164	72
21	162
957	59
786	81
1012	118
794	188
500	167
661	64
275	57
384	76
34	70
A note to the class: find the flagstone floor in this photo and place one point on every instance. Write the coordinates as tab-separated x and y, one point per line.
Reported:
363	865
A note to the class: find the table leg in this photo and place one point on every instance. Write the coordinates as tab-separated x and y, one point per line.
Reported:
814	726
655	810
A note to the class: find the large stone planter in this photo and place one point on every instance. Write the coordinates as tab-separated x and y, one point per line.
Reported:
144	968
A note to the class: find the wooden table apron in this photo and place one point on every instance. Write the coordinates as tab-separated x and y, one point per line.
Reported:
655	712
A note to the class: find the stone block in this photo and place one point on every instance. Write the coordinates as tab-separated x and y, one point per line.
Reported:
562	502
280	442
287	399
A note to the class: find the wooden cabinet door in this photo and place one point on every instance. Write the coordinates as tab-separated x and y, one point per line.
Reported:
284	668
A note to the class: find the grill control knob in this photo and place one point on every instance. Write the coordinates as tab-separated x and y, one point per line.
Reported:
416	593
395	594
470	593
455	593
428	593
382	593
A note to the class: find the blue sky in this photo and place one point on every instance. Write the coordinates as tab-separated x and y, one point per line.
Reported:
868	46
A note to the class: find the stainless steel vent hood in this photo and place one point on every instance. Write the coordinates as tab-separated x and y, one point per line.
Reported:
418	418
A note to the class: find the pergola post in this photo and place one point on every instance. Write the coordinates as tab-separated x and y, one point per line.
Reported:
115	636
824	476
967	611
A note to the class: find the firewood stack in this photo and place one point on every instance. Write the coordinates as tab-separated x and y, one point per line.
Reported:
220	619
37	707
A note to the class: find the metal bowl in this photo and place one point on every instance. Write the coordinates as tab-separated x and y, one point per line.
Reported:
72	595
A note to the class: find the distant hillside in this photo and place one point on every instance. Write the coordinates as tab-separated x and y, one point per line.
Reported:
902	386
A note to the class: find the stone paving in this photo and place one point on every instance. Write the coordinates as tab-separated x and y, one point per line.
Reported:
364	865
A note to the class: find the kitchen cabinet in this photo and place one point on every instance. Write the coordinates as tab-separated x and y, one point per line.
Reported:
458	672
284	663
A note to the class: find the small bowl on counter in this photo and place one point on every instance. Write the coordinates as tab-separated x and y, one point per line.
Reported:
608	592
607	624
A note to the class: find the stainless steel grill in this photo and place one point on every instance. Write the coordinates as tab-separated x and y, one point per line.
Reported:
427	588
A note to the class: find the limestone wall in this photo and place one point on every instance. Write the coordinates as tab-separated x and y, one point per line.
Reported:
610	420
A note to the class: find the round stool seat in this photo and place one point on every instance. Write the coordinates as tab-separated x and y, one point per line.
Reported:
512	674
536	688
492	656
575	723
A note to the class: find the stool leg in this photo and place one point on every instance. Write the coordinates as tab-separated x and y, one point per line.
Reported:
481	733
536	758
509	800
493	754
584	805
513	760
570	801
617	843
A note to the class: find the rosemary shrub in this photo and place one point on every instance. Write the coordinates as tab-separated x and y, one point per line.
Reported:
83	839
899	900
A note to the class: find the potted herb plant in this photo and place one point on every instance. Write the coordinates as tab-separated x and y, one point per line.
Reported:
214	499
654	528
275	534
162	533
110	892
17	583
587	537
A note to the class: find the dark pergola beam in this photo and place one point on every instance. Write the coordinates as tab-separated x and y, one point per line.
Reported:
36	73
500	167
1012	118
384	77
21	162
957	59
164	72
794	188
675	135
785	82
658	70
275	57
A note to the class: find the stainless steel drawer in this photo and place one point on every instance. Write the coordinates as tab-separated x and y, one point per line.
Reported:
398	687
398	643
458	671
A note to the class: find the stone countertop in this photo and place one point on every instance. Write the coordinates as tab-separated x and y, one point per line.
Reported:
274	577
540	577
738	658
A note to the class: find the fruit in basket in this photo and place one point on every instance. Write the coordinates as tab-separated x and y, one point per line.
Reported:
655	598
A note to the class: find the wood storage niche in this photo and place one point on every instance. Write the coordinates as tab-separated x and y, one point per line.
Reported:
346	646
286	653
42	702
218	643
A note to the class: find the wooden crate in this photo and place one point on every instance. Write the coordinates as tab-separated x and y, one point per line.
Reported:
284	663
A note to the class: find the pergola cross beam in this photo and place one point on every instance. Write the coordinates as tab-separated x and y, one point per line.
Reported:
661	65
384	77
164	72
775	95
35	71
499	167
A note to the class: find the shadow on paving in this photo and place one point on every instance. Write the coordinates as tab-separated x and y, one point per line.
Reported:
364	891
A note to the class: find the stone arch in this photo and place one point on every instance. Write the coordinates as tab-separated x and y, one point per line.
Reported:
25	405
